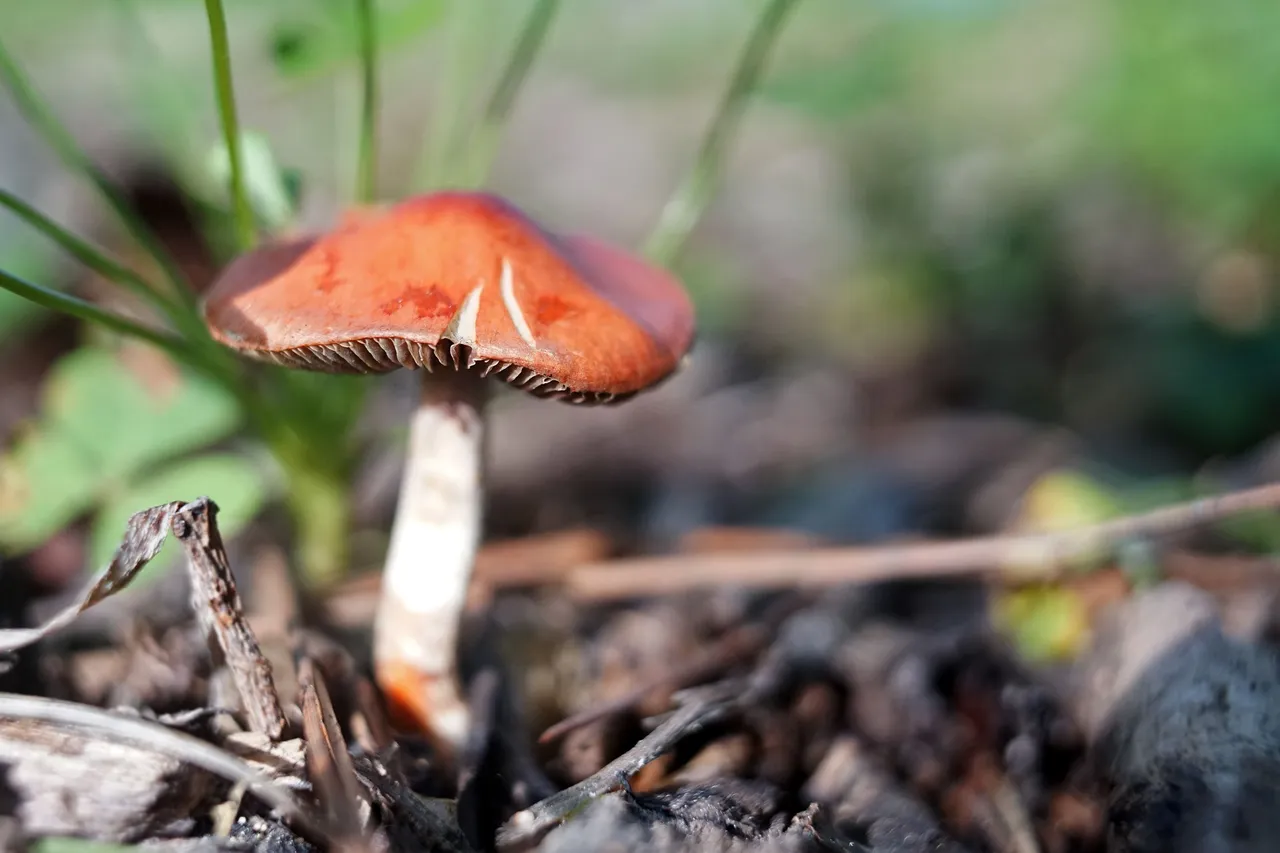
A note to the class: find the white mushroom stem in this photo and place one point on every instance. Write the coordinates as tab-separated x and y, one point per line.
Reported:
433	544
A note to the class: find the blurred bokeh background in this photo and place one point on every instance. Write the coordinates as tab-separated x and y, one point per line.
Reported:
958	246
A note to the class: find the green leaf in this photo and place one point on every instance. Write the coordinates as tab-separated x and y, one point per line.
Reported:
1045	623
126	422
1064	499
326	40
46	482
236	483
269	192
101	424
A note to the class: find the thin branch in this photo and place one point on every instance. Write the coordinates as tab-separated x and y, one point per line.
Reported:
686	206
705	706
1033	555
57	137
367	167
88	255
246	231
737	645
498	109
77	307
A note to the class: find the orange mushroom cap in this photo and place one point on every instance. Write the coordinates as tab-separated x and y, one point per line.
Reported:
461	280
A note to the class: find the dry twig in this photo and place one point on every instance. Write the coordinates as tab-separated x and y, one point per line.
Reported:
420	823
216	603
736	645
1041	554
214	599
526	828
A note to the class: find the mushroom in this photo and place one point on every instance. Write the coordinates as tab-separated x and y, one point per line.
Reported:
467	287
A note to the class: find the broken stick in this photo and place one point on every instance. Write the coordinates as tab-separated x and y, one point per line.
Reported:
217	605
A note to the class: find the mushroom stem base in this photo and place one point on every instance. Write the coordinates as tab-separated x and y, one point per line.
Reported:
433	544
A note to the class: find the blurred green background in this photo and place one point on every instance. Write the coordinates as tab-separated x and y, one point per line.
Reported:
1064	210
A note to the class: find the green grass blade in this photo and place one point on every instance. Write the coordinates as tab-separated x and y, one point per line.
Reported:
498	109
89	312
690	200
88	255
201	354
246	231
57	137
169	115
466	47
367	167
183	315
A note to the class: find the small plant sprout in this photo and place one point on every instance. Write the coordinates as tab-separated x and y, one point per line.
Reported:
467	288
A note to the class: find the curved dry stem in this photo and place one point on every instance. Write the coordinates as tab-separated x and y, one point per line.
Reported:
153	736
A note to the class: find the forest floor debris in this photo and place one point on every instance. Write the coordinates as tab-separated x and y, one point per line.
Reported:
888	717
